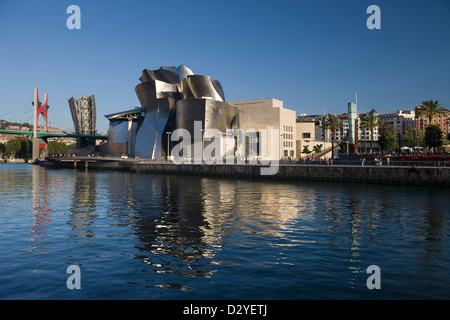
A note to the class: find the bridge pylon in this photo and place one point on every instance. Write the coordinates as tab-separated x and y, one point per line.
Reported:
39	143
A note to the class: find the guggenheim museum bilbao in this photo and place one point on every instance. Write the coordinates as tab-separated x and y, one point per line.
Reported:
186	116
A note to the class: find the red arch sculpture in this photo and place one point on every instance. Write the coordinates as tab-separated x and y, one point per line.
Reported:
40	108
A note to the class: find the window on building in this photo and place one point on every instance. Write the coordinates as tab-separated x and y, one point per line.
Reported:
306	135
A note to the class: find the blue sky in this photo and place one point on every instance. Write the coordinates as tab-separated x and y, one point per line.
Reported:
312	55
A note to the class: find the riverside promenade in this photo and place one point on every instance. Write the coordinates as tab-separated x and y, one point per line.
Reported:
410	174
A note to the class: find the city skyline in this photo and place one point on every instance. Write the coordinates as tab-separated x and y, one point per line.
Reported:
320	51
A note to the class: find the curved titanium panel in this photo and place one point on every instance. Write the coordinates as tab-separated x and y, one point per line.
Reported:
188	111
117	137
219	115
118	132
162	74
149	138
176	98
170	76
150	75
155	89
219	89
186	92
145	91
183	73
202	87
146	137
147	75
213	114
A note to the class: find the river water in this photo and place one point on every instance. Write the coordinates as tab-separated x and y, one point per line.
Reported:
142	236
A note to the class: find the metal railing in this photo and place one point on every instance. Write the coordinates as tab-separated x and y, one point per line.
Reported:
379	163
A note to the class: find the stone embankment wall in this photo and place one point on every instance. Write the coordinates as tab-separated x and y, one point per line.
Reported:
425	176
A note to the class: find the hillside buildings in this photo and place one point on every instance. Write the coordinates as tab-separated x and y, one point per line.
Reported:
4	138
350	131
442	120
399	122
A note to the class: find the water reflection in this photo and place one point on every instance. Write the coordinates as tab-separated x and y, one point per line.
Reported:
183	227
173	232
183	223
41	212
83	211
354	226
152	237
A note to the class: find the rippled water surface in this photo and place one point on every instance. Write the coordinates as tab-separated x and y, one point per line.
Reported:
141	236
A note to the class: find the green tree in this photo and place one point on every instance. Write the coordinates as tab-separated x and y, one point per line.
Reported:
318	148
388	140
413	137
429	109
306	150
434	137
25	147
12	147
2	149
370	122
56	148
343	144
333	123
445	141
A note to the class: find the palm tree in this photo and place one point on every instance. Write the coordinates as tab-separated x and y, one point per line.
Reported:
333	123
430	109
370	121
318	148
306	150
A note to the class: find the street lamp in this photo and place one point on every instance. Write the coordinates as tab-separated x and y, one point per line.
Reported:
238	145
168	141
281	144
203	144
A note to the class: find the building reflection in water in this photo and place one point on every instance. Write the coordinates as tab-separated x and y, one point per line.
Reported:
354	226
182	224
171	227
41	211
83	212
